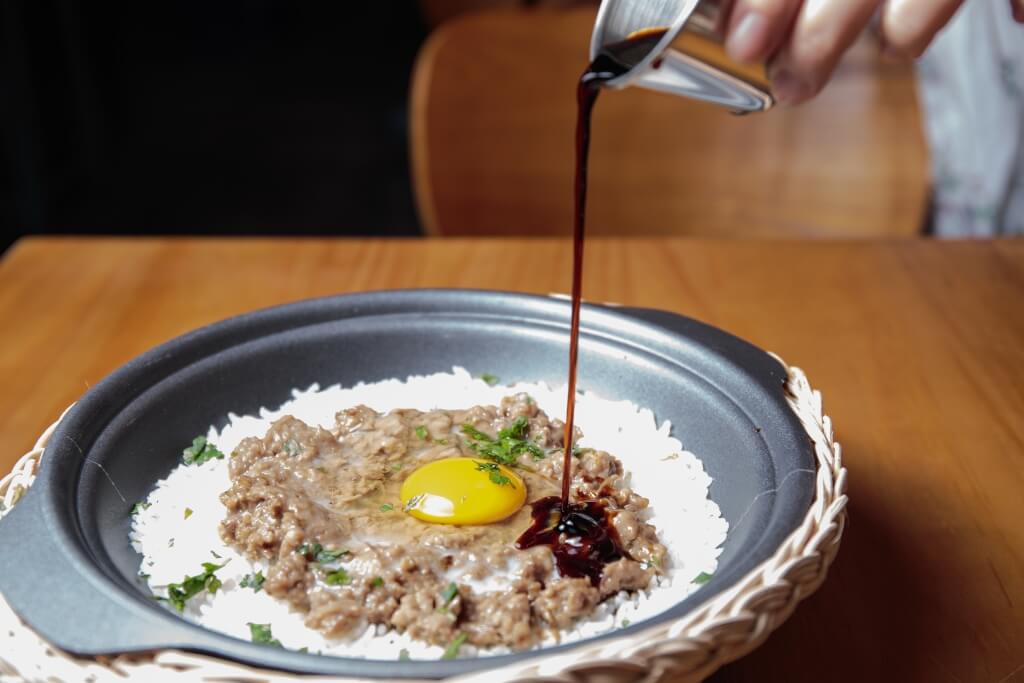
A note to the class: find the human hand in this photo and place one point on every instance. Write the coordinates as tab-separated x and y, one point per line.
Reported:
802	40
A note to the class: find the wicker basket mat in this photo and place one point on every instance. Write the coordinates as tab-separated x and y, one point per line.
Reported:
688	649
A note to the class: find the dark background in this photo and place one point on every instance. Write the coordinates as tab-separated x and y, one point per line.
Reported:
258	117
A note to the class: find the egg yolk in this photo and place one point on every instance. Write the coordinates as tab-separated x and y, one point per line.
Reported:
462	491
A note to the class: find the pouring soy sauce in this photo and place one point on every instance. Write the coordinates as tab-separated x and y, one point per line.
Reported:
580	535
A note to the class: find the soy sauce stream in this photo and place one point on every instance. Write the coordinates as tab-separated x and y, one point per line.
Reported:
612	62
580	535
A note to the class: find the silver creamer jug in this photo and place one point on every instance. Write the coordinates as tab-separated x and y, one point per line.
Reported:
688	60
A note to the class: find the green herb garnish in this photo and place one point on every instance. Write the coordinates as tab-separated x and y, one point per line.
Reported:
510	443
403	655
448	594
139	507
292	447
494	473
200	451
578	451
190	586
489	378
338	577
397	467
261	633
188	512
253	581
452	651
377	582
476	434
387	507
319	554
422	432
703	577
625	623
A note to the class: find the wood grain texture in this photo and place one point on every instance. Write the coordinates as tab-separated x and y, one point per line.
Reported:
492	115
918	348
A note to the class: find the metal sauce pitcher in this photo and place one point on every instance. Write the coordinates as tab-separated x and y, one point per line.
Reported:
689	59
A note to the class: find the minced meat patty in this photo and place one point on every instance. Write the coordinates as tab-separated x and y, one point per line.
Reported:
318	506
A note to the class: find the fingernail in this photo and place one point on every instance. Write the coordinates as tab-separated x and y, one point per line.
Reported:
748	40
788	89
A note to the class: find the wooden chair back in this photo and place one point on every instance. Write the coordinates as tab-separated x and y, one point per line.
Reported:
492	119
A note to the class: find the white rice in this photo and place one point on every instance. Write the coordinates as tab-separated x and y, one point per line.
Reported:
173	546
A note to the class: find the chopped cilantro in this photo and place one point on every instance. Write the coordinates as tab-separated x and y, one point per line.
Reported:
261	633
516	430
339	577
476	434
403	655
292	447
703	577
449	593
200	451
443	442
578	451
452	651
303	650
387	507
397	467
510	443
489	378
190	586
319	554
625	623
494	472
188	512
325	556
422	432
253	581
139	507
377	582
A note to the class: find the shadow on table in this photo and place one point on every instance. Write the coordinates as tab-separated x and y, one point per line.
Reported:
869	620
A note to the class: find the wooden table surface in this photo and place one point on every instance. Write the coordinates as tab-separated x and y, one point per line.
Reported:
918	348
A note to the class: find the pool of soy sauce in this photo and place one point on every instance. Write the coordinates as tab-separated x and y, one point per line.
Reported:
580	535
